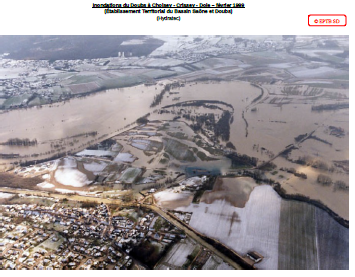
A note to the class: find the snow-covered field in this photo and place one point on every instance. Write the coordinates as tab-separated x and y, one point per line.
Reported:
73	191
64	190
39	168
68	162
255	227
170	195
317	52
45	185
216	263
4	195
95	167
172	44
177	256
280	65
68	175
141	141
173	198
124	157
158	62
140	146
192	181
71	177
97	153
320	72
283	231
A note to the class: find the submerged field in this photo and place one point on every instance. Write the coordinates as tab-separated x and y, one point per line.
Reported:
65	126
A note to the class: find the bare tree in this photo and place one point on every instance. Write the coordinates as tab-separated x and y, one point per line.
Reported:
324	180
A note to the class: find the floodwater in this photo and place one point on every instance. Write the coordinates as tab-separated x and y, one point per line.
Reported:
275	127
215	168
105	112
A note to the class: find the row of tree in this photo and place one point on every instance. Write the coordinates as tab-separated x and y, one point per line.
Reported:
325	180
21	142
159	97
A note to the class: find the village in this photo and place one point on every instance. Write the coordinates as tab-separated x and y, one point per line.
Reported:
29	83
58	237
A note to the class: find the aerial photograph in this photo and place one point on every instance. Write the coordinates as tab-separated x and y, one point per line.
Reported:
174	152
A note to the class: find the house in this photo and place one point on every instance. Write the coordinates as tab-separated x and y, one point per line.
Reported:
255	256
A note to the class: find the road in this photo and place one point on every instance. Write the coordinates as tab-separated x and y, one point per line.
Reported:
193	234
75	197
188	231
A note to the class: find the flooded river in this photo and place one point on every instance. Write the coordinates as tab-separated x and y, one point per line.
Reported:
105	112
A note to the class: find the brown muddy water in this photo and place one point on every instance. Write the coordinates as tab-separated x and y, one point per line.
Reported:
106	112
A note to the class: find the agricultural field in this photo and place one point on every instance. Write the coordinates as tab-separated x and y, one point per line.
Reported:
332	242
16	100
95	167
67	174
147	145
23	199
319	72
178	150
234	190
253	228
310	239
215	263
130	175
4	195
297	236
286	233
45	185
124	157
172	198
177	255
187	254
96	153
164	144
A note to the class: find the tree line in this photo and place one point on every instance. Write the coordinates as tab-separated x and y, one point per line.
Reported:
20	142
